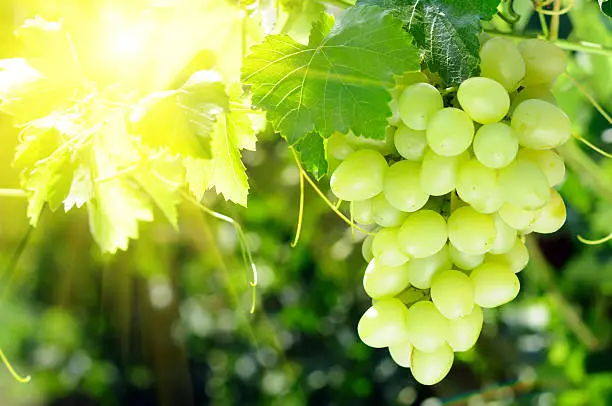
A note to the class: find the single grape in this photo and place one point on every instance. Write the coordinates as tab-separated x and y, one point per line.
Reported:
495	145
338	146
422	234
401	353
463	260
362	211
505	236
410	78
402	186
386	249
478	185
464	331
450	132
544	61
430	368
417	103
516	259
470	231
549	162
383	324
494	284
421	270
540	125
426	326
439	173
360	176
501	61
541	92
395	118
384	214
524	185
483	99
410	144
517	218
385	147
366	248
381	281
551	217
452	293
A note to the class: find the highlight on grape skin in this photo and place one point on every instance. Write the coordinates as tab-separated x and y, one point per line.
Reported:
469	175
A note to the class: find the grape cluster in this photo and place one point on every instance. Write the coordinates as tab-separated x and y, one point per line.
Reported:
451	192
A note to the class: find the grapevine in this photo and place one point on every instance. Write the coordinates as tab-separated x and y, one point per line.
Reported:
444	145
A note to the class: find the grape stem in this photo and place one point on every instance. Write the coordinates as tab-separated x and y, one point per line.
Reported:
587	47
322	195
300	213
572	318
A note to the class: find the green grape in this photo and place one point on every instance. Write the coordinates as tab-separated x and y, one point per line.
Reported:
516	259
410	144
504	237
549	162
540	125
384	214
470	231
426	326
366	248
421	270
439	173
395	118
450	132
402	186
483	99
501	61
410	78
360	176
430	368
517	218
381	281
383	324
362	211
494	284
495	145
464	331
422	234
386	249
464	261
385	147
478	185
401	353
541	92
524	185
551	217
544	61
338	147
417	103
452	293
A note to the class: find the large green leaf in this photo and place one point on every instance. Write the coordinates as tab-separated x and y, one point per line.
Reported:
336	82
445	30
311	150
181	121
606	7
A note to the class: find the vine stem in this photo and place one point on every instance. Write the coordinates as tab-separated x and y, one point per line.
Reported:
300	213
322	195
588	47
554	21
12	193
10	368
246	253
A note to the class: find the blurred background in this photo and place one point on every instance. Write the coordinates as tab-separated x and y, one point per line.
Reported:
168	322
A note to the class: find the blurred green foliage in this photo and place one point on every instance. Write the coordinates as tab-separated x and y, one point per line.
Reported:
168	323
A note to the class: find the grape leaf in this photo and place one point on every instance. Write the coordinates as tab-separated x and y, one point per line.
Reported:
336	82
234	131
311	150
182	120
445	30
